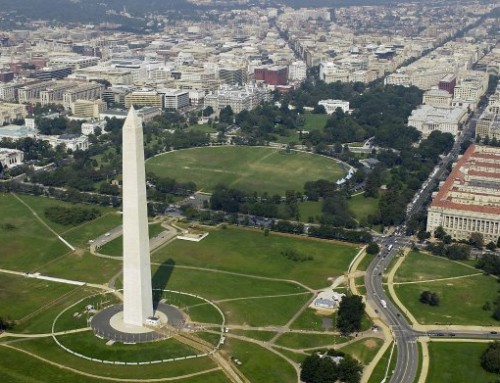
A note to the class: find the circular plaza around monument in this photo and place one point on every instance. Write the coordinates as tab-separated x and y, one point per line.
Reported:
108	329
109	324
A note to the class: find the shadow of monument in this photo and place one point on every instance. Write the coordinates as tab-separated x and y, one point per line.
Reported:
160	280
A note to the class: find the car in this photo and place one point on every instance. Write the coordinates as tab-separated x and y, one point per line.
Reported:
493	332
452	334
107	234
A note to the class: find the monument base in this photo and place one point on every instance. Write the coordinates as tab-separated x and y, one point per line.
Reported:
108	324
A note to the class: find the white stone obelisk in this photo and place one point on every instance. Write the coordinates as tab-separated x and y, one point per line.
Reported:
137	292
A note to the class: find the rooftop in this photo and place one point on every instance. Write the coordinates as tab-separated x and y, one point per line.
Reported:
474	183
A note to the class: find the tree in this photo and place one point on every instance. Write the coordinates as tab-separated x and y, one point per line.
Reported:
476	239
423	235
490	359
439	233
491	246
430	298
372	248
350	314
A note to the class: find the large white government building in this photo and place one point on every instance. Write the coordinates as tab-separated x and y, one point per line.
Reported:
469	199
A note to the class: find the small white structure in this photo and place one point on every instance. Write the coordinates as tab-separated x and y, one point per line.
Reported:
91	127
71	141
332	105
327	300
10	158
153	321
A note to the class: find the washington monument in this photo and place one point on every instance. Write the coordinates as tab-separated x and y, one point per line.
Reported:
137	292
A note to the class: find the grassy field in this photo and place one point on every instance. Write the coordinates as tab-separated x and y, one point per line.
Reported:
260	365
80	235
255	334
465	359
85	268
29	295
378	373
29	244
363	350
238	250
309	319
263	311
217	286
247	168
362	207
86	343
419	266
460	300
312	122
46	348
300	341
310	209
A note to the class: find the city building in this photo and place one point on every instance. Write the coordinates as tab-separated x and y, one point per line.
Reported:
332	105
272	75
448	83
469	200
437	97
175	98
10	158
230	76
297	71
88	108
93	127
11	112
30	93
238	98
70	141
144	98
428	118
53	93
87	91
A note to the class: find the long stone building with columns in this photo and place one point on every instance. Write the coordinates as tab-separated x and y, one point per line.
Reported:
469	199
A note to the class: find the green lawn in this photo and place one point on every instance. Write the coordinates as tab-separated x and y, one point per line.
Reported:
47	348
80	235
86	268
363	350
246	251
362	207
310	320
255	334
86	343
216	286
300	341
115	247
309	209
263	311
247	168
378	373
29	244
260	365
365	262
457	363
420	266
21	296
460	300
315	121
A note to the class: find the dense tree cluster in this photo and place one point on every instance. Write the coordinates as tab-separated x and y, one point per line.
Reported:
296	256
455	251
330	367
490	359
339	234
71	215
430	298
350	314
